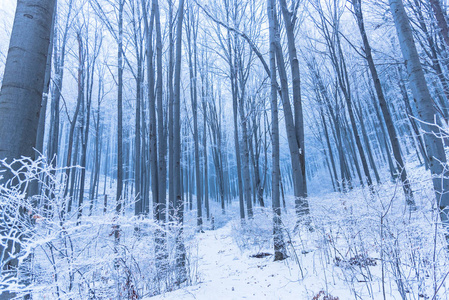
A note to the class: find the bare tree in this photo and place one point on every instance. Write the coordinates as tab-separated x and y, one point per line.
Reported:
20	99
181	272
426	112
357	4
279	246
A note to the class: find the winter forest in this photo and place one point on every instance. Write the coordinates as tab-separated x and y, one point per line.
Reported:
224	149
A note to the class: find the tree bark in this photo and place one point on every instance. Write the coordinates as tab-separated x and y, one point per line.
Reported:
301	205
297	102
279	245
162	150
441	20
20	99
181	272
394	140
426	113
192	31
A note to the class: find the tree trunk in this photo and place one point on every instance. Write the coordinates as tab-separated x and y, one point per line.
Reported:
383	105
181	272
162	150
297	102
205	165
441	20
119	191
192	30
301	205
138	208
20	99
279	245
426	113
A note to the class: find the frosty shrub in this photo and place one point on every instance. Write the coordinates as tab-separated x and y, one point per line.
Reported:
255	234
59	257
378	246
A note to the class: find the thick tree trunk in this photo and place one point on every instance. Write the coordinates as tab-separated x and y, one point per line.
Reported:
23	80
426	113
20	99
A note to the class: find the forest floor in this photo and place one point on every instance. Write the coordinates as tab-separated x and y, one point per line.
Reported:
225	267
364	246
225	272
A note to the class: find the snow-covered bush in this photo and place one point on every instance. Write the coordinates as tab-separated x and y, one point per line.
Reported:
255	234
379	246
60	257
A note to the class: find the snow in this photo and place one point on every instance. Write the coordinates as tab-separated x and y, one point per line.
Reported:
364	246
228	273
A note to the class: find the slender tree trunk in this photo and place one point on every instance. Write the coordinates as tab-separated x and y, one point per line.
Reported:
234	92
98	132
297	103
359	113
59	59
245	157
181	272
412	120
279	245
192	25
326	135
119	191
441	20
301	204
85	135
73	125
383	105
162	150
171	191
152	114
138	208
205	165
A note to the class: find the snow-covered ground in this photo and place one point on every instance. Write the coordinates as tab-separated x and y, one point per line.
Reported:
364	246
225	272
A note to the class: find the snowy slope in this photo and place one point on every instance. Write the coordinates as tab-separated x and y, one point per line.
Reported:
350	255
227	273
